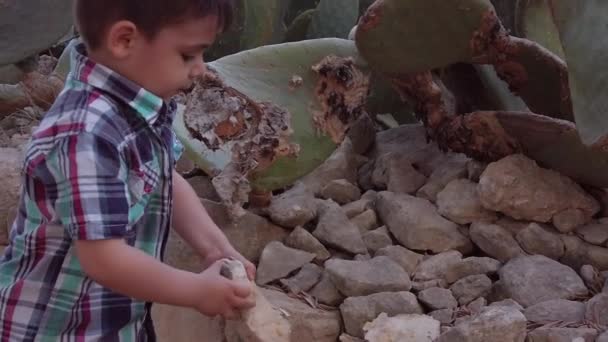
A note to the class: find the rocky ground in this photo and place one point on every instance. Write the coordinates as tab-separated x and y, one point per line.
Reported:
401	242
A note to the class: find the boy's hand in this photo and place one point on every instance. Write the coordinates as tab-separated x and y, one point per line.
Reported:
221	296
230	252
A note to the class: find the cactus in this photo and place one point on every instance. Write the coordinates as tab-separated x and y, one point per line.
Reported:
581	26
334	19
298	30
29	27
535	22
278	83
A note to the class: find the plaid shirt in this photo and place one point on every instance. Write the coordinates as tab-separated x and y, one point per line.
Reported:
99	166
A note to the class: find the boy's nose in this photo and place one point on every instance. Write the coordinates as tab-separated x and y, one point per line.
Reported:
198	69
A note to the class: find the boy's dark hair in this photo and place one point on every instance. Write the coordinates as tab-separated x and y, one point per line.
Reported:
94	17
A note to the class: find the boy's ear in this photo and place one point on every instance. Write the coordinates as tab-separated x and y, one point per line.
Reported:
121	38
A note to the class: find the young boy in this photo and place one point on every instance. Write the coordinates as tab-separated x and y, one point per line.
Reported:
99	186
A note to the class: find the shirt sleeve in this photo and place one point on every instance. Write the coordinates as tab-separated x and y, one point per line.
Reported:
88	177
178	148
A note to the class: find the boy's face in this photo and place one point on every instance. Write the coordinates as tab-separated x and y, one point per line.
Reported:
170	61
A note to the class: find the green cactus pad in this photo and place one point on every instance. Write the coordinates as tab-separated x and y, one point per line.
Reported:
334	19
267	74
298	30
406	36
582	26
28	27
535	22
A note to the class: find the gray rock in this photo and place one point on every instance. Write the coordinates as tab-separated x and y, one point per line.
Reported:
534	279
418	286
204	188
603	337
495	241
307	323
377	239
335	230
407	259
361	278
249	234
348	338
436	266
556	310
437	298
365	221
578	253
341	191
459	202
515	184
471	266
562	335
414	327
511	225
362	257
445	316
592	278
293	208
504	324
395	173
476	305
595	233
416	224
303	240
475	169
510	303
355	208
326	292
442	176
10	169
535	239
356	311
596	310
342	164
309	275
470	288
278	261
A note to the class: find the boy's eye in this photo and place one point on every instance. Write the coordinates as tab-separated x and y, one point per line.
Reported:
187	58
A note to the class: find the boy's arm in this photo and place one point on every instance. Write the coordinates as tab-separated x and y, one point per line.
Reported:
192	222
131	272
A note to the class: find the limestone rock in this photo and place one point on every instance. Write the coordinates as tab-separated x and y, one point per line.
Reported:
342	164
562	335
459	202
500	323
477	305
518	187
248	234
442	176
303	240
578	253
470	288
377	239
603	337
335	230
204	188
307	323
444	316
595	233
419	328
436	266
407	259
534	279
395	172
416	224
597	309
535	239
511	225
475	169
495	241
556	310
278	261
361	278
355	208
418	286
356	311
437	298
309	275
471	266
348	338
10	182
509	302
326	292
341	191
365	221
293	208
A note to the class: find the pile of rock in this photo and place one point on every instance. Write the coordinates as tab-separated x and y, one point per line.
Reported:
422	243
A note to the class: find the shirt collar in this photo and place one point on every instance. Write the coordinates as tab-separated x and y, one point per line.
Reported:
146	104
